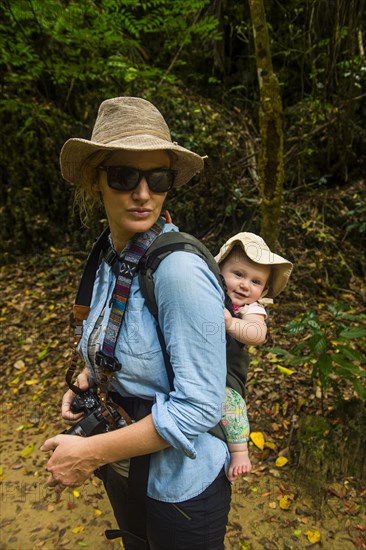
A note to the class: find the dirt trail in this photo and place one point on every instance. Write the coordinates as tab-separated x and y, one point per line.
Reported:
32	516
268	511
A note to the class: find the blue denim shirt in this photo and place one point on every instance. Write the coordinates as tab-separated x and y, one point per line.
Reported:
190	303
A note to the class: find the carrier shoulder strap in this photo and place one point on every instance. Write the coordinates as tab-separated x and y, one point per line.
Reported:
163	246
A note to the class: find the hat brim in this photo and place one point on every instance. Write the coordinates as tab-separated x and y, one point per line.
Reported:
76	151
281	268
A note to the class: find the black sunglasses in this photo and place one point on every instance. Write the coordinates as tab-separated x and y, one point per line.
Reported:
125	178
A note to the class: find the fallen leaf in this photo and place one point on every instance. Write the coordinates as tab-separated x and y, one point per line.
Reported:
281	461
76	493
22	427
337	489
285	502
27	450
16	466
258	439
78	529
313	535
284	370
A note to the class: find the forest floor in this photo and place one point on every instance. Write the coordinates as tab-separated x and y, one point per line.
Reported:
271	507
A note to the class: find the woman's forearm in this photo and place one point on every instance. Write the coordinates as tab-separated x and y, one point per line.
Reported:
137	439
75	458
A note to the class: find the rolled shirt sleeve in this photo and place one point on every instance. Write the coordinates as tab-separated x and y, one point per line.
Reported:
190	305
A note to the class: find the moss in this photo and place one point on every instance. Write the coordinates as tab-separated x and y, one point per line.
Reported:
313	427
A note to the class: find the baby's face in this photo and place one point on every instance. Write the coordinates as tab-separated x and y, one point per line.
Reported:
245	280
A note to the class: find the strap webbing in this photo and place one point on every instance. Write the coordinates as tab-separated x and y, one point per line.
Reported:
85	290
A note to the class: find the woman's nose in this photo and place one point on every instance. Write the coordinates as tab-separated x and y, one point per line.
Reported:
142	191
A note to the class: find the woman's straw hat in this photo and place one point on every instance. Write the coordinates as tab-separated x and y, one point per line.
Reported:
129	124
258	251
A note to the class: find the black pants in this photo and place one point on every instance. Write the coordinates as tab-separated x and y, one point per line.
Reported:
195	524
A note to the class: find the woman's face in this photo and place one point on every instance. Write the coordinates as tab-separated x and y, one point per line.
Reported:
135	211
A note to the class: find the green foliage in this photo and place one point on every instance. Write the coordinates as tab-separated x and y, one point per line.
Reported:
59	60
195	61
356	219
332	344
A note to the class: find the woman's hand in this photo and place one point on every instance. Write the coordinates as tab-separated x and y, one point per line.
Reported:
72	461
83	383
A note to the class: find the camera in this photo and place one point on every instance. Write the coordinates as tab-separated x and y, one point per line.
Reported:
94	421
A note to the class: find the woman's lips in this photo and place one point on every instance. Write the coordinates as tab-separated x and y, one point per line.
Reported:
139	212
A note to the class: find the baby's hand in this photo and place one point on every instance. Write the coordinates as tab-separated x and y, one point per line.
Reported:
228	319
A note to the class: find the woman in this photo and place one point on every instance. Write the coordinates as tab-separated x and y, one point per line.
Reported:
131	164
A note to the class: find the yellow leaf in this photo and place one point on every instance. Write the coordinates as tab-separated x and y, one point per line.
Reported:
15	381
288	372
76	493
27	450
31	382
22	427
285	502
281	461
77	530
313	535
258	439
270	445
98	512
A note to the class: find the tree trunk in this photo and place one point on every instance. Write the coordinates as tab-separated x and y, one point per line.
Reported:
270	127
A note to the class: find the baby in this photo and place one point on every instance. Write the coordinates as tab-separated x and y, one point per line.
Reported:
254	276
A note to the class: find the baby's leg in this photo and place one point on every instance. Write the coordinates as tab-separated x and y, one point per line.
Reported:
235	423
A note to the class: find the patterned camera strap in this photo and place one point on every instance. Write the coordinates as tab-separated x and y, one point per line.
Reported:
105	358
128	266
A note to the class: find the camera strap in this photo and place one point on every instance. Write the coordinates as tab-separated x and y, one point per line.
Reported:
105	358
128	265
